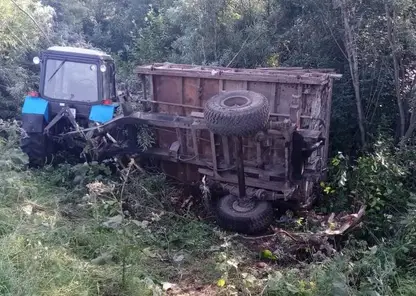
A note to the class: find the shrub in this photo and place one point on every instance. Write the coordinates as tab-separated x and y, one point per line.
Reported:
380	180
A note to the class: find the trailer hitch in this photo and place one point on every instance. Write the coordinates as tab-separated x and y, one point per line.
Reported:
65	112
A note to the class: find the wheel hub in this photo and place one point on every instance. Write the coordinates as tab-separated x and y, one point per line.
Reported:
243	205
236	102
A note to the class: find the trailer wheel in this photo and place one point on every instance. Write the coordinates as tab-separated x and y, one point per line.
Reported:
34	145
237	113
252	218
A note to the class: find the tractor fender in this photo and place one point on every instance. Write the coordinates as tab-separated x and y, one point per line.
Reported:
102	113
35	113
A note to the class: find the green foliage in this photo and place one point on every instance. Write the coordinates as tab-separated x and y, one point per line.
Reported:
360	270
197	32
245	33
55	240
78	175
154	41
19	37
379	180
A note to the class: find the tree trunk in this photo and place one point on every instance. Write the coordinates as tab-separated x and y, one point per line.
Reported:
391	35
410	130
352	55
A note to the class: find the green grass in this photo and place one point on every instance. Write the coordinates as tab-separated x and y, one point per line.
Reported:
53	240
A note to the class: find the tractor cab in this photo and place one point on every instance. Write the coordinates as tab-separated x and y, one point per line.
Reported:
76	90
77	78
79	75
81	81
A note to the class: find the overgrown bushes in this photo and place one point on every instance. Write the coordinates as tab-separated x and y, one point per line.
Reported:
379	259
381	180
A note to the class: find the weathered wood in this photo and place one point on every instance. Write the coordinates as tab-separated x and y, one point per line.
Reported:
272	101
294	94
277	173
327	119
214	70
201	114
310	134
144	87
259	154
316	110
181	140
181	91
195	143
245	85
226	150
221	85
197	114
265	77
295	107
252	182
152	93
295	110
214	153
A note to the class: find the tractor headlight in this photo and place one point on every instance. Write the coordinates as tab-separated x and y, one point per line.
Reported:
36	60
103	68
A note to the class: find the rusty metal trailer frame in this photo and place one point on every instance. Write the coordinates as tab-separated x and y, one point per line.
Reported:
299	100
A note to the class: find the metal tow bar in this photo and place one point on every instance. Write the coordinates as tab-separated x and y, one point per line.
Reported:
243	200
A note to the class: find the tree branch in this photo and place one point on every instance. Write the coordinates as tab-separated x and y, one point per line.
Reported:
391	36
33	20
354	67
410	130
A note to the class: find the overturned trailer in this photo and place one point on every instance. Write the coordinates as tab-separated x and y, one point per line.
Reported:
261	133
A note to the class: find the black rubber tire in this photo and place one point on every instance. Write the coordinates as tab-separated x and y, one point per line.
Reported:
255	220
34	145
237	113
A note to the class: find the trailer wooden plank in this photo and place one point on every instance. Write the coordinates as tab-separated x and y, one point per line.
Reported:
234	76
214	153
213	70
226	150
251	182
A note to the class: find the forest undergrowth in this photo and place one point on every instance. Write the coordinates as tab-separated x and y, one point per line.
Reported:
81	230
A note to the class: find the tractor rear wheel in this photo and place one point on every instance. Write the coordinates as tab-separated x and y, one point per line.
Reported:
35	146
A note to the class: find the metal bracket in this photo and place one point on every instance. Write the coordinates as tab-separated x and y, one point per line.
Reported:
174	149
65	112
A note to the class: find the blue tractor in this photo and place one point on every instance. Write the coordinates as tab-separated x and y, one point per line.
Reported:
77	91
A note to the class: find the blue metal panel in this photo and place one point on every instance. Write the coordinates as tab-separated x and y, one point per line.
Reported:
34	105
102	113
